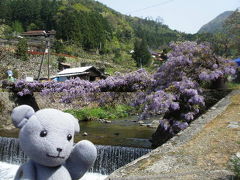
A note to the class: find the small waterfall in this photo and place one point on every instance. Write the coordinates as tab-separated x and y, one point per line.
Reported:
10	151
109	158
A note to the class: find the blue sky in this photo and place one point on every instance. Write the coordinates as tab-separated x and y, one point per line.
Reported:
182	15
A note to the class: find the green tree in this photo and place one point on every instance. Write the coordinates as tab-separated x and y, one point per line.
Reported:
61	59
47	14
154	32
58	46
87	29
4	7
32	26
220	42
232	29
17	27
5	31
21	52
141	54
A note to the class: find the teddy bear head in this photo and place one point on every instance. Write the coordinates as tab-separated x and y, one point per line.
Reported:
46	136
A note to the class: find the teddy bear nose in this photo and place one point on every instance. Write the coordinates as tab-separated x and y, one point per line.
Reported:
59	149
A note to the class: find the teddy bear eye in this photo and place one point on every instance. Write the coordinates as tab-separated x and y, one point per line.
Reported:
43	133
69	137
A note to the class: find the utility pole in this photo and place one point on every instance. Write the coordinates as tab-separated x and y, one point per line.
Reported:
48	48
48	36
40	69
46	51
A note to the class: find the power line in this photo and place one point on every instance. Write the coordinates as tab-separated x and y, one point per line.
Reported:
149	7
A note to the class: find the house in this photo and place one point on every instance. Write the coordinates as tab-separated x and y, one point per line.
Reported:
89	73
39	33
156	56
159	56
36	39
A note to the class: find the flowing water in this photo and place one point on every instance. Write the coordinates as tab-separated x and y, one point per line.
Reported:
120	132
109	159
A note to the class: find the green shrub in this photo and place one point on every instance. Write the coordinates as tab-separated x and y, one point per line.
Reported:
61	59
107	112
119	111
22	48
235	166
89	113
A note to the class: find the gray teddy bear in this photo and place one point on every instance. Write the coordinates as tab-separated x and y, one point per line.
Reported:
46	137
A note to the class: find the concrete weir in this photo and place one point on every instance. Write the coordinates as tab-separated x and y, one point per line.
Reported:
202	151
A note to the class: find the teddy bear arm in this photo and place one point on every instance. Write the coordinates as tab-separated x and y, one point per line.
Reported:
26	172
81	159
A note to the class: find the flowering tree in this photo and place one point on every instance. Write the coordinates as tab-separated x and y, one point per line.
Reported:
177	88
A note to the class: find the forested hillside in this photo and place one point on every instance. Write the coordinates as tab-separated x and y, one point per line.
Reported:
86	23
155	33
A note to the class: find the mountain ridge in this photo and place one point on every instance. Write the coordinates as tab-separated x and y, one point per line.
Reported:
216	24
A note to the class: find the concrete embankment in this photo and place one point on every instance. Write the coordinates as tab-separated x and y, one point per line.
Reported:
202	151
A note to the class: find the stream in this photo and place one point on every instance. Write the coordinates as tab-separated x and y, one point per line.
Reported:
109	159
118	143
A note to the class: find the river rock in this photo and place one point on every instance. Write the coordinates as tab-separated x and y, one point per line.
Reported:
140	122
213	108
85	134
149	125
233	125
101	120
238	154
154	124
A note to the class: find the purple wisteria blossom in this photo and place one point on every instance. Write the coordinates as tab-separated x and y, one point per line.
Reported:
176	91
78	88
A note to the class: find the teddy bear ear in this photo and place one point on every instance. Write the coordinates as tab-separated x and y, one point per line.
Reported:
21	114
76	124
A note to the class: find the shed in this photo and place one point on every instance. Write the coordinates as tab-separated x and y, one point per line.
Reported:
87	73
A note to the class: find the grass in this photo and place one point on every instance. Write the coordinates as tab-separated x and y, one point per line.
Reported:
233	85
107	112
235	166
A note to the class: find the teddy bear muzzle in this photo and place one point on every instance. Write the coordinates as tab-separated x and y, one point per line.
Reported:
59	150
